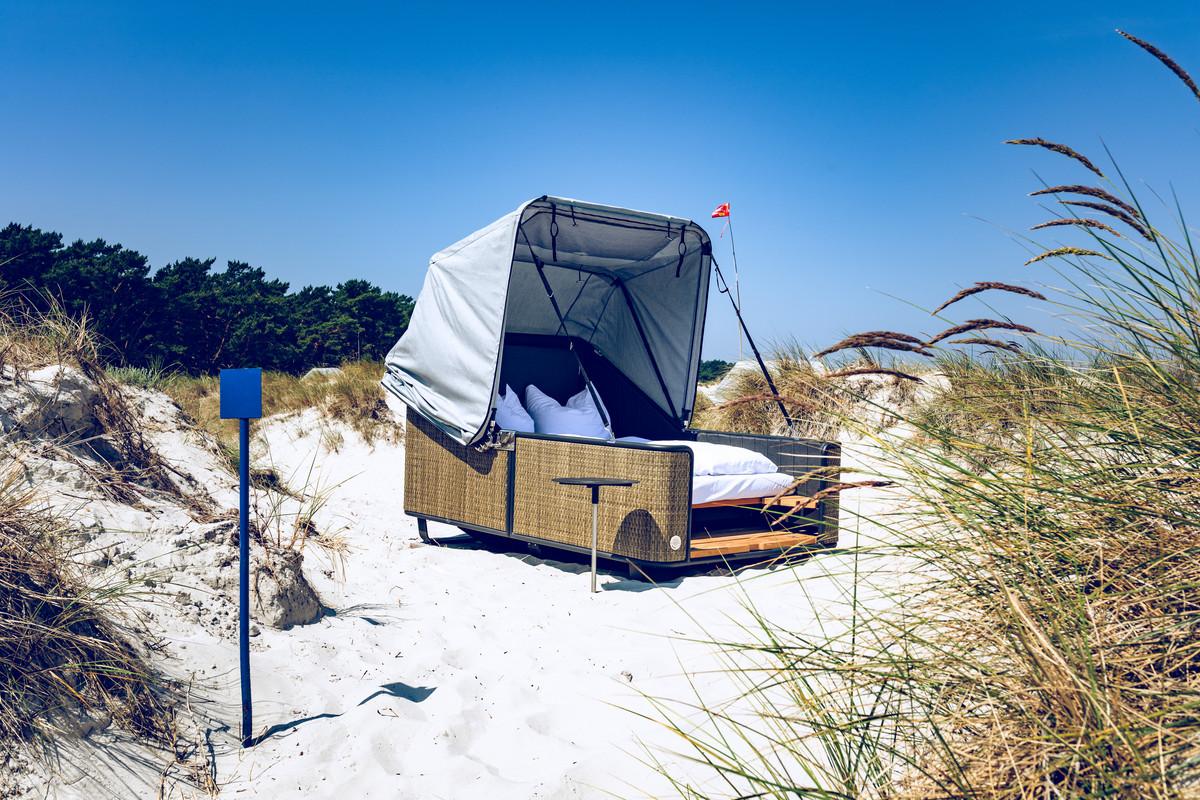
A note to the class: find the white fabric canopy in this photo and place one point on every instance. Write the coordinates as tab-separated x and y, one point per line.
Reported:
633	285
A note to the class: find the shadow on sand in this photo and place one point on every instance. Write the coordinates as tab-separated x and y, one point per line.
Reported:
398	690
629	577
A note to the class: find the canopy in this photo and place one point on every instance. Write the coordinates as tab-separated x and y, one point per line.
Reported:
632	285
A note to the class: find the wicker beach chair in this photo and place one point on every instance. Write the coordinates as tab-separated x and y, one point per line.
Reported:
566	296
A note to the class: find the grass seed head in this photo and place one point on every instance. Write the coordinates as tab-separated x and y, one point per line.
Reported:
1090	191
1059	252
983	286
1061	149
1112	211
1082	222
1166	60
860	340
979	325
899	337
981	341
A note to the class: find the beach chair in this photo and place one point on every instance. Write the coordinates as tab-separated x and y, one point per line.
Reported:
608	304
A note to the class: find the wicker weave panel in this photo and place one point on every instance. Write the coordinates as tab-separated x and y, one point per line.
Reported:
442	478
636	522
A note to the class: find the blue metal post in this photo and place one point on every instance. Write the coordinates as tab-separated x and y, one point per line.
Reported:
241	399
244	575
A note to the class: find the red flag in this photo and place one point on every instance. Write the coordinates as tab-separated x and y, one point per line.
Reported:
722	211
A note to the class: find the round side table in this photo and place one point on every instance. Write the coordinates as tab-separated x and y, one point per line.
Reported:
595	485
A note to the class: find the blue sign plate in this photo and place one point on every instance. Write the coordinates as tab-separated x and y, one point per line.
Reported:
241	393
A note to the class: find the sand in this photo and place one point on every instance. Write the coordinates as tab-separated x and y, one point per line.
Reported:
453	671
462	672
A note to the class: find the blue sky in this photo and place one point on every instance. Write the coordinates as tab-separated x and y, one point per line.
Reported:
859	145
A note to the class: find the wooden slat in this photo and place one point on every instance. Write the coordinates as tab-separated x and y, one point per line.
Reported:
791	500
748	543
748	502
787	501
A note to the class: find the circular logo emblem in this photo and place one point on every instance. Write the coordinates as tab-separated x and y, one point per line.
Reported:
676	542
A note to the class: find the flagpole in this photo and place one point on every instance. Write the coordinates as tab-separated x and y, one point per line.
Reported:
737	281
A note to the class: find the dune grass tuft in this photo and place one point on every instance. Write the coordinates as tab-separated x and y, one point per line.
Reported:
817	399
352	395
121	457
64	659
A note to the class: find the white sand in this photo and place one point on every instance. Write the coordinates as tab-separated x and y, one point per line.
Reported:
440	672
459	672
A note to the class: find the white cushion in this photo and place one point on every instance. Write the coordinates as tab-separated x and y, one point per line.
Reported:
552	418
711	488
725	459
510	414
585	402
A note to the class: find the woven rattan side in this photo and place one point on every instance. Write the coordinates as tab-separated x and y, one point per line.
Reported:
636	522
442	478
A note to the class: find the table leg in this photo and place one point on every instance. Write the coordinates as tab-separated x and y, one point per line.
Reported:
595	506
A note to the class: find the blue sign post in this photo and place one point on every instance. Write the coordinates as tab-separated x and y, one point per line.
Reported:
241	399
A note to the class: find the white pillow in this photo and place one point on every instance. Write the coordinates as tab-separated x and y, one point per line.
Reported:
552	418
510	414
584	401
725	459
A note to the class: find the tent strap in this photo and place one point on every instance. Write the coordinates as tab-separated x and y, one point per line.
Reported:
723	288
562	327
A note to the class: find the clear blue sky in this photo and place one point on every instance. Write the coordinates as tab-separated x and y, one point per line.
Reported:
857	146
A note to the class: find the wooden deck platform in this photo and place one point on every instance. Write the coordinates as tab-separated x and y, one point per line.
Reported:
707	546
787	501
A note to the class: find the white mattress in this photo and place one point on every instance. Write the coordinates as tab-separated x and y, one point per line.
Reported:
710	488
746	484
717	459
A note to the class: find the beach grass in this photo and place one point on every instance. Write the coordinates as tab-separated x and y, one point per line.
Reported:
1044	639
64	656
816	399
351	395
67	661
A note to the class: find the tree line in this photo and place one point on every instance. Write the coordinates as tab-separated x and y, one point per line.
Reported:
713	370
188	317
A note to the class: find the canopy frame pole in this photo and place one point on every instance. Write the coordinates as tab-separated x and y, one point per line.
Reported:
723	288
562	326
637	323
